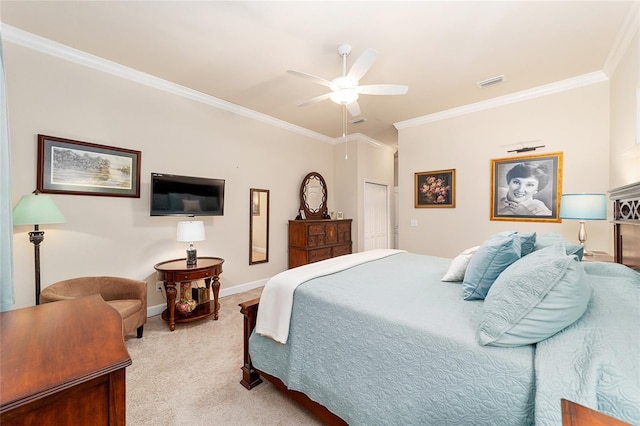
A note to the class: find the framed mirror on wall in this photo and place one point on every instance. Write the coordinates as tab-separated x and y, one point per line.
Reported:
258	226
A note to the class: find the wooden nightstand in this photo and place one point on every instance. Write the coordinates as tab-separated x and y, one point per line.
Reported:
598	256
174	272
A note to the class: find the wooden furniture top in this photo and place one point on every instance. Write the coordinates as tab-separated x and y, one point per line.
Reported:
308	221
52	347
578	415
626	223
627	204
181	264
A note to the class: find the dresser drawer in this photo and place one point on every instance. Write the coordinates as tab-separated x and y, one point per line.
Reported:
344	227
316	229
319	254
343	249
316	241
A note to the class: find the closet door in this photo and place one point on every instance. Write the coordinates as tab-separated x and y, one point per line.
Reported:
376	216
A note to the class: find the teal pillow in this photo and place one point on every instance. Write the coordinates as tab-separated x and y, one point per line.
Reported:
493	257
552	238
534	298
527	243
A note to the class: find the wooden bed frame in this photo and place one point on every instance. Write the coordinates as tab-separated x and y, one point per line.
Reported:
626	228
251	377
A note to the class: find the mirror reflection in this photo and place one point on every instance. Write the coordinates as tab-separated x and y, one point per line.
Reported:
313	193
258	226
313	197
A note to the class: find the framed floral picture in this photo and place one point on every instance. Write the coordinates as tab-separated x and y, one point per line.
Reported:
527	188
435	189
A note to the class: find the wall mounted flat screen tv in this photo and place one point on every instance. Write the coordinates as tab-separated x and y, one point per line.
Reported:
173	195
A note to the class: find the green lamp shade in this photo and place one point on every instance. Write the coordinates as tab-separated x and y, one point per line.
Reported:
36	209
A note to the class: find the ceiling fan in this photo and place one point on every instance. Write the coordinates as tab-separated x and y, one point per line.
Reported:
345	89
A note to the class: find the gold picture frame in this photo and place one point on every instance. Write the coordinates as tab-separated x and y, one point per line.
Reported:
435	189
527	188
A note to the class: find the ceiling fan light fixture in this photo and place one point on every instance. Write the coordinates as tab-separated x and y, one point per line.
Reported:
344	96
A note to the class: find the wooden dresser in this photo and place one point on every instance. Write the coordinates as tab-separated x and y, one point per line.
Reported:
314	240
63	363
626	224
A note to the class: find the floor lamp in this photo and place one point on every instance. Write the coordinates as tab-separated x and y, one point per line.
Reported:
36	209
583	207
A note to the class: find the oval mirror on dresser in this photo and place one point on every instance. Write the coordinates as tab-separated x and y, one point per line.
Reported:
313	197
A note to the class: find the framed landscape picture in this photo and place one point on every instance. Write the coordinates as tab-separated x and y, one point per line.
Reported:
72	167
527	188
435	189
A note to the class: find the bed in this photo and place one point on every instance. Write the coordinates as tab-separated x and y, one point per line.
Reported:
380	338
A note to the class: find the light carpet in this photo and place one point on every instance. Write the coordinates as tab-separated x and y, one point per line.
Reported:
191	376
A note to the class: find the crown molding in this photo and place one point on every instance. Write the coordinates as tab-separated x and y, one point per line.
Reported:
628	30
58	50
536	92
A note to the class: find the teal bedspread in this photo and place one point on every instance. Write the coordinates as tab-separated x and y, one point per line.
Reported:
388	343
596	360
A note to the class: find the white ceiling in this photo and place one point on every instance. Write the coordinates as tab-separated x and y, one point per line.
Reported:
240	51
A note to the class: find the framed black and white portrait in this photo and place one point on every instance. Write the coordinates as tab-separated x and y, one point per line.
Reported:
527	188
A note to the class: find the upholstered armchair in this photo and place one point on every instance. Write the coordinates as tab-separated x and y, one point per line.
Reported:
127	296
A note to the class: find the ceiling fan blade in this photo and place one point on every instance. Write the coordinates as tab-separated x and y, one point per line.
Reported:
382	89
354	109
315	100
313	78
362	64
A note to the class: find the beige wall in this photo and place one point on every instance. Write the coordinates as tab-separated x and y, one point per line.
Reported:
574	122
116	236
625	129
367	161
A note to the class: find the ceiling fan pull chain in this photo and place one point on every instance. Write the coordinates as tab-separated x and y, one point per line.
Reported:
344	131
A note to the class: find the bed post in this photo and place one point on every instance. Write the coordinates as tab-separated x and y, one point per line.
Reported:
250	377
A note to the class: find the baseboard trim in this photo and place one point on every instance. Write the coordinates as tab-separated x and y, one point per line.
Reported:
152	311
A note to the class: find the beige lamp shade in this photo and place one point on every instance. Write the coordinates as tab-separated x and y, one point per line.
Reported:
189	232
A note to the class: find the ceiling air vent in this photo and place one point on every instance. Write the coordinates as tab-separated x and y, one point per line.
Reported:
358	120
491	81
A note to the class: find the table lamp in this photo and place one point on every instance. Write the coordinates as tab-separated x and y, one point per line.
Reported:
583	207
36	209
188	232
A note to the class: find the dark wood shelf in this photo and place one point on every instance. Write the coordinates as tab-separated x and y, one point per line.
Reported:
201	311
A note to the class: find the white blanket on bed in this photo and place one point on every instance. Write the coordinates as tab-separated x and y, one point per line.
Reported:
276	300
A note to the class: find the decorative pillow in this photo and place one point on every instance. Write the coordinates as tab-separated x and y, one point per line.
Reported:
459	264
552	238
527	243
493	257
534	298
